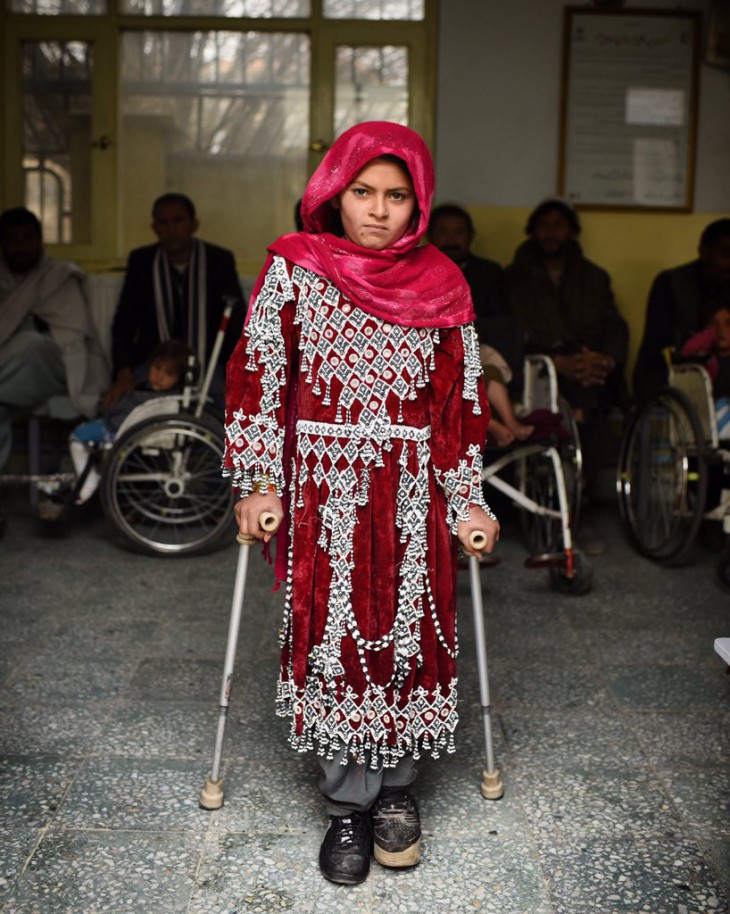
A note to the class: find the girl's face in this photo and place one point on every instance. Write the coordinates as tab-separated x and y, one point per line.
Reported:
163	375
721	324
377	207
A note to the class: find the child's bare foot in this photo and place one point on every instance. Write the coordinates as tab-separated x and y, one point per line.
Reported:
500	433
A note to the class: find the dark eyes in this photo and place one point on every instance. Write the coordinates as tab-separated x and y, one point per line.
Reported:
397	195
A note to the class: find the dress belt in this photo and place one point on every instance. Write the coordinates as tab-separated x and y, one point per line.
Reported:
379	430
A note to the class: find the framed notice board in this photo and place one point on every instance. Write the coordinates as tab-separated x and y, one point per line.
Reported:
629	108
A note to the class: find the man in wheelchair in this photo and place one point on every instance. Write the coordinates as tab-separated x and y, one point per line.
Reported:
680	304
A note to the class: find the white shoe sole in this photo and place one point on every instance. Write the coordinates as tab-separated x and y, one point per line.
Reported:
409	857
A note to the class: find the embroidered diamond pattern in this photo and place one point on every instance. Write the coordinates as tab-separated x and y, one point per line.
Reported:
234	430
347	397
320	319
345	343
413	365
400	388
331	295
351	451
343	373
337	319
326	372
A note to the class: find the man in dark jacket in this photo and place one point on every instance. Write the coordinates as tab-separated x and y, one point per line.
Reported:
175	289
680	302
566	308
451	230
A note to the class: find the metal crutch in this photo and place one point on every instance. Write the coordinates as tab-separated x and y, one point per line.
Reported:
491	787
211	796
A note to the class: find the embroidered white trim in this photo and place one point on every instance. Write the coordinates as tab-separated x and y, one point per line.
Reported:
380	429
328	723
462	486
256	443
472	366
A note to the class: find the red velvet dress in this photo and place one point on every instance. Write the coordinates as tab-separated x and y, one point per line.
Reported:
383	456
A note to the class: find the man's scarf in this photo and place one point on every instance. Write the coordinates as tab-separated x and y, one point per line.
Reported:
194	300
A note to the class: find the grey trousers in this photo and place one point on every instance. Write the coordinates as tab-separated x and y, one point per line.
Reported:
31	371
354	788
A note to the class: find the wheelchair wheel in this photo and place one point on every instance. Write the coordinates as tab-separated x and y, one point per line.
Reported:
662	477
536	478
580	583
162	486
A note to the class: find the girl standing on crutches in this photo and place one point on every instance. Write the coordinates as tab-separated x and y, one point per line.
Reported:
357	414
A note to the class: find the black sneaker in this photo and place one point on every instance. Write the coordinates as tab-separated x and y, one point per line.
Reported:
396	827
344	856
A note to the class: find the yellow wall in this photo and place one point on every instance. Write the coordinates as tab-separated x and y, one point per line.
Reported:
632	247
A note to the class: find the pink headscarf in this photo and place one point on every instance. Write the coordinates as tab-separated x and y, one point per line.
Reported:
404	283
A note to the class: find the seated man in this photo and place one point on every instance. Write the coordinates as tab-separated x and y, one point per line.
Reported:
566	309
451	230
48	341
680	303
174	289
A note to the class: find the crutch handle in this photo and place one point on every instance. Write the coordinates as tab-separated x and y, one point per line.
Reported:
478	540
268	522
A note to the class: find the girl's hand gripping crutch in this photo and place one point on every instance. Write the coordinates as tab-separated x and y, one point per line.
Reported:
211	796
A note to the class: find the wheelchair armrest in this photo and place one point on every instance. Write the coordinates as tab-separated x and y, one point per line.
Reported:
159	406
541	384
694	381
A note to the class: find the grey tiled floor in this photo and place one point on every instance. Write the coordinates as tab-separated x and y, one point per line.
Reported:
611	725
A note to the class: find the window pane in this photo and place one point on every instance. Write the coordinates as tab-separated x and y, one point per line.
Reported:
57	137
58	7
410	10
222	117
253	9
372	85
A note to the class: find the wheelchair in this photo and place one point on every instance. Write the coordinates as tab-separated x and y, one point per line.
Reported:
546	487
668	453
161	485
160	480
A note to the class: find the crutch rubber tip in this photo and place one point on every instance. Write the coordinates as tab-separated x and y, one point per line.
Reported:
491	787
211	796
